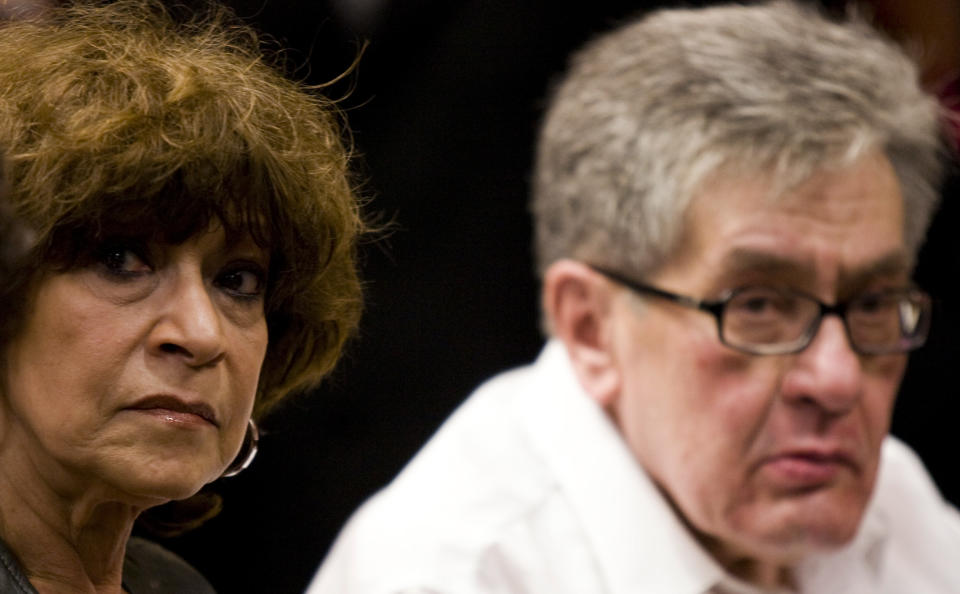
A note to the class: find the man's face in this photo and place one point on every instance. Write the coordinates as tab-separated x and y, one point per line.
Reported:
766	457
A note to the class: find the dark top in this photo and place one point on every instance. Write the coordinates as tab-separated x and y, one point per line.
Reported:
148	568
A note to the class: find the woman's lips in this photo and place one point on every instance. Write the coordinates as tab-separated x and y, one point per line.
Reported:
177	410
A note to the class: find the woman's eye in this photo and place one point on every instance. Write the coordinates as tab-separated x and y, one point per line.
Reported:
122	259
243	281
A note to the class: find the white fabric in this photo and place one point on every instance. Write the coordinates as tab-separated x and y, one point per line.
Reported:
528	488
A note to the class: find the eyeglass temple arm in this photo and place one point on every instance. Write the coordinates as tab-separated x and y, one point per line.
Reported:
648	290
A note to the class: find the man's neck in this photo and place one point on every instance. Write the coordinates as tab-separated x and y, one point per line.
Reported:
762	575
766	575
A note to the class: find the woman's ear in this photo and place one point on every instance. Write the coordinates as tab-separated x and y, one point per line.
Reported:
578	304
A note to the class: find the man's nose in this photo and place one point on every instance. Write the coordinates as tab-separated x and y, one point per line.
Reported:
190	324
828	372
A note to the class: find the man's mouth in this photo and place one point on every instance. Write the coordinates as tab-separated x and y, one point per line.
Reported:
808	468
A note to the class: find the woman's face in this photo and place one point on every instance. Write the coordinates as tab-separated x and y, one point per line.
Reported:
137	372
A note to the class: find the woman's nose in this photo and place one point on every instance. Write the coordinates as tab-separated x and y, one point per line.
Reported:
189	325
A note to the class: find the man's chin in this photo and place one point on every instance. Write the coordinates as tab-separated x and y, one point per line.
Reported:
804	526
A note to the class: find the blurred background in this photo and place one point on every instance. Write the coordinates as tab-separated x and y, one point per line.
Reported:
444	107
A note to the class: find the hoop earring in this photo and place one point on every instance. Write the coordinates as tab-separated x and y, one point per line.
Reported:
247	452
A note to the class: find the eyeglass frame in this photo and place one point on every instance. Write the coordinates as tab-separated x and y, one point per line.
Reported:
716	308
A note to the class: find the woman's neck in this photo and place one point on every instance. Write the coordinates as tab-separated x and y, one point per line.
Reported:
64	542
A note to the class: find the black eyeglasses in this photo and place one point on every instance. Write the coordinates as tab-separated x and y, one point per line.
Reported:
773	321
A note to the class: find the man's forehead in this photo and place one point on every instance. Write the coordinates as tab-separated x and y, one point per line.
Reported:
842	226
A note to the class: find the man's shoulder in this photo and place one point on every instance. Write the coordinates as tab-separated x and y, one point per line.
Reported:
472	502
923	529
903	479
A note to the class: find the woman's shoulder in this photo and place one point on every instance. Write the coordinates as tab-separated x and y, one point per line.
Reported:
150	568
12	579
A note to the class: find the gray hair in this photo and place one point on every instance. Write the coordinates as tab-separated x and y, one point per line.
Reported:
649	111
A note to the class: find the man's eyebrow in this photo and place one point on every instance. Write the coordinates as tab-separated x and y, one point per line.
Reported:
894	264
741	262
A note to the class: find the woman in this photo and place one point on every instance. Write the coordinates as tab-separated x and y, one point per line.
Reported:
193	230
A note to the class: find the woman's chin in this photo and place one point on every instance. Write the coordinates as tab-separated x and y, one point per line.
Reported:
170	491
161	485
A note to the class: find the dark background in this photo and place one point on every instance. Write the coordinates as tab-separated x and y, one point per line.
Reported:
444	107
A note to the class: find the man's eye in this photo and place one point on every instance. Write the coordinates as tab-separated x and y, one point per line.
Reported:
247	281
756	304
761	302
877	305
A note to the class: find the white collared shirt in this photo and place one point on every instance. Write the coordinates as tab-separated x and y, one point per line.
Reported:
528	488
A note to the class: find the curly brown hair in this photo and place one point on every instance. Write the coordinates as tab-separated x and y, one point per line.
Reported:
121	115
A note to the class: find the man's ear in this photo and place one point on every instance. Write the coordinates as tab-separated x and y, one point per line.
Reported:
578	303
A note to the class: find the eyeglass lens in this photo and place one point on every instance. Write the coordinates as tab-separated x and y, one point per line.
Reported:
767	320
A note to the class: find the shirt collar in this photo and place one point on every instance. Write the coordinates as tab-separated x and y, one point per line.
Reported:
855	568
640	543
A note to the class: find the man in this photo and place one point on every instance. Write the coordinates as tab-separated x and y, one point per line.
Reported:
728	205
